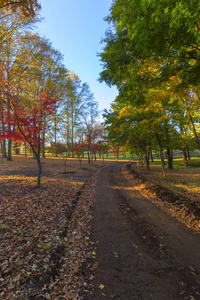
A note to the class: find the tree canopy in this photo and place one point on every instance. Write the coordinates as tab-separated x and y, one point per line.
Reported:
152	54
27	8
42	102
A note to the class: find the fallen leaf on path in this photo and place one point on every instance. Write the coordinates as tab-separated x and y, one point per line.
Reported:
101	286
115	254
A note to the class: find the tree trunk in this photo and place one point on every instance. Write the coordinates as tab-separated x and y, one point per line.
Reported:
184	154
43	145
147	159
88	156
2	152
37	156
43	152
168	154
188	151
9	150
172	155
3	132
17	148
124	154
161	154
192	125
9	158
55	136
163	162
169	158
151	155
39	172
4	148
80	162
3	141
25	154
72	129
138	160
39	162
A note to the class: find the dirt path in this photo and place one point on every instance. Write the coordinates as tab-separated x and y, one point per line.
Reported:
142	252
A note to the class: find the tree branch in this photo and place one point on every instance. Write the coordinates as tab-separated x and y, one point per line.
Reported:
10	3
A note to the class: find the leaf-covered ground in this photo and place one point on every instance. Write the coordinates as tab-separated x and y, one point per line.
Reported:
44	233
178	193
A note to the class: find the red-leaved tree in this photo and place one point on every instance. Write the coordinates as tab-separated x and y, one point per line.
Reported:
25	120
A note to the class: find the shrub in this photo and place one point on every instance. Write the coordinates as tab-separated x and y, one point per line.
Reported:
181	163
194	163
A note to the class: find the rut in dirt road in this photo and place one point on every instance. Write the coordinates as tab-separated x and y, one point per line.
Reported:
142	252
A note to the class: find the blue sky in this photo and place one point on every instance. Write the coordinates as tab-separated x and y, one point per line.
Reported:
75	28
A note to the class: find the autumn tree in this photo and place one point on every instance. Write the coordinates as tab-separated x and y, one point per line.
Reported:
13	28
75	107
90	125
25	120
33	89
151	54
26	7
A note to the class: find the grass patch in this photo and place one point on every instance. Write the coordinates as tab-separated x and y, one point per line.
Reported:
178	163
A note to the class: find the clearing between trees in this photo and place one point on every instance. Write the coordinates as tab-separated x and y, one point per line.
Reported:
49	250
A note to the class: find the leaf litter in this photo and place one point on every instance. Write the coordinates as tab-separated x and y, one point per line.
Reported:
45	233
179	200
